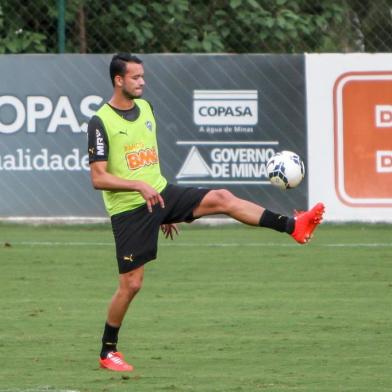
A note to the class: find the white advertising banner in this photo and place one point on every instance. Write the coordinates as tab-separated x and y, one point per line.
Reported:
349	113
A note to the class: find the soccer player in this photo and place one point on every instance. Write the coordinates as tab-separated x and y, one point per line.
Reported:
124	163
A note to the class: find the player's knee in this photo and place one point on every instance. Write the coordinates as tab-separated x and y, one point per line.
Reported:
132	287
223	199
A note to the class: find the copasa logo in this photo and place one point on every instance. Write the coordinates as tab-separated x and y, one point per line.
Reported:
225	107
41	112
44	117
141	158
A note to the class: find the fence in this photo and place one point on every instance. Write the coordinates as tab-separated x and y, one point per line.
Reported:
189	26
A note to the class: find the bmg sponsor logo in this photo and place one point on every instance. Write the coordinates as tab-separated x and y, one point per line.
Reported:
225	107
363	138
141	158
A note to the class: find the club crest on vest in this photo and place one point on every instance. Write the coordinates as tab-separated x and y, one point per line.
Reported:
149	125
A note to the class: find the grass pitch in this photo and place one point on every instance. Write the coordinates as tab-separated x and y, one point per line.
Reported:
222	309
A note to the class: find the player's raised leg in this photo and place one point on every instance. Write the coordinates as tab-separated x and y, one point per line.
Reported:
222	201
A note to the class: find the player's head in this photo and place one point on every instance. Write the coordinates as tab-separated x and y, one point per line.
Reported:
127	74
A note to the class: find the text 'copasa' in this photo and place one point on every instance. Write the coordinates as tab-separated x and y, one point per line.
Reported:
40	112
225	107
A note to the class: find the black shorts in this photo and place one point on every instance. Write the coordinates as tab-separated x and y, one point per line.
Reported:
136	231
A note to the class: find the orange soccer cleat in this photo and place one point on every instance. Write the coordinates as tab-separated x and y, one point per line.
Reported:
306	222
115	361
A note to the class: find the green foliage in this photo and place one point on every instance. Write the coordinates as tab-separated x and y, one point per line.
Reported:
219	26
231	26
21	41
19	28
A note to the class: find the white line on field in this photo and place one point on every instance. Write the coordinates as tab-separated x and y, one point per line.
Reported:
205	245
37	390
61	243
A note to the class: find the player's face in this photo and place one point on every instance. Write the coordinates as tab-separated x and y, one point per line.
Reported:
132	83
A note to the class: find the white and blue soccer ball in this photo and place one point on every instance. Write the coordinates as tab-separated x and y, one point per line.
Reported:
285	170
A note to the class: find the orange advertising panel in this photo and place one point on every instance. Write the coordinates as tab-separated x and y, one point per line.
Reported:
363	138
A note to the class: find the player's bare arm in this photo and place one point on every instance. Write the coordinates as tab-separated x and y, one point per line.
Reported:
103	180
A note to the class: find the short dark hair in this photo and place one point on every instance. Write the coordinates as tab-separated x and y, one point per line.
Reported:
118	65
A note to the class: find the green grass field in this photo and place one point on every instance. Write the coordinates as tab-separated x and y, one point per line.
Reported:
222	309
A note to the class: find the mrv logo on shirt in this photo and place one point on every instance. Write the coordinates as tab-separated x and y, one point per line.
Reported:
225	107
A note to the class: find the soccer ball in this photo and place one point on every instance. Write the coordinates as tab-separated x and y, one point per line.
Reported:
285	170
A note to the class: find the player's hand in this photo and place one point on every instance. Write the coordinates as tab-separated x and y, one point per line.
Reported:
169	230
151	196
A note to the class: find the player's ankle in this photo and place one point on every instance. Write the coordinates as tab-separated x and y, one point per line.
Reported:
278	222
106	351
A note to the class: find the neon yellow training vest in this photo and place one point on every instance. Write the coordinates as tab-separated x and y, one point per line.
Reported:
133	155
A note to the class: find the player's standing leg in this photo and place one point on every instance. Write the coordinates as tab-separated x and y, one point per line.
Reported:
129	285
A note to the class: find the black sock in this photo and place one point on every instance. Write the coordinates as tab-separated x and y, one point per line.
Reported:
109	340
277	222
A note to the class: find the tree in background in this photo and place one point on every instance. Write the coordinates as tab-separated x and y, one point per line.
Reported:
198	26
24	29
